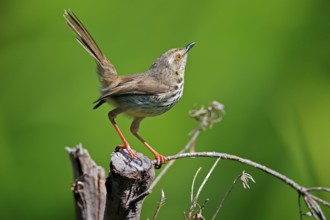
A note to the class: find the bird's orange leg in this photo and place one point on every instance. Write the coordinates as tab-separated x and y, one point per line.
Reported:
112	115
160	159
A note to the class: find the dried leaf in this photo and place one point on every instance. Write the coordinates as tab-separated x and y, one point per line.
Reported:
245	177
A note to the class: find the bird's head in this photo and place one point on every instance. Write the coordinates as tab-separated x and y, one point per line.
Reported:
172	62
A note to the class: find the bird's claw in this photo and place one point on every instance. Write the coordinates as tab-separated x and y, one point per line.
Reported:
129	150
160	160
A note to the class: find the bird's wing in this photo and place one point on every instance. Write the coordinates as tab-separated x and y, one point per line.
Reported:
135	84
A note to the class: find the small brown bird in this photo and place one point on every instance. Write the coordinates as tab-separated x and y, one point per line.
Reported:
138	95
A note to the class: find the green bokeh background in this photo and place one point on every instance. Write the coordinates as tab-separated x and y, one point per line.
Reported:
266	61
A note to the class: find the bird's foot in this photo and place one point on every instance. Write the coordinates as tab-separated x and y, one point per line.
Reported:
160	160
129	150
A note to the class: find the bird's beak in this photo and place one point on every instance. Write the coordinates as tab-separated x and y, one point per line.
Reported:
188	47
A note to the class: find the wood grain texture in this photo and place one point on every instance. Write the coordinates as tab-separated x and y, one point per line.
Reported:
120	196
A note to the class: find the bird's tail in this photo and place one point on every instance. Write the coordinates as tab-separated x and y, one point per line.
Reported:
106	70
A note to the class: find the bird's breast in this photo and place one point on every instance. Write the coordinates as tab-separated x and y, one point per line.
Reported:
143	105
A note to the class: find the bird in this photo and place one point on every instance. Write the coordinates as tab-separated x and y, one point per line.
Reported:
138	95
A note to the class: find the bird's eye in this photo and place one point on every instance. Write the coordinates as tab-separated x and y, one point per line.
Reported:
178	57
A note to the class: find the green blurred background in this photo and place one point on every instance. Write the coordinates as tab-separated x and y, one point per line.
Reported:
266	61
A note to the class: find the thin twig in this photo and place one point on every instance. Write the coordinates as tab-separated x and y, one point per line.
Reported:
315	209
139	197
209	117
159	205
193	203
170	163
198	215
309	198
325	189
241	160
193	183
226	196
300	208
320	200
244	177
203	206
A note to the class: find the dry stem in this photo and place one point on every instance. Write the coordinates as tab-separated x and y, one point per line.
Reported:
310	199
